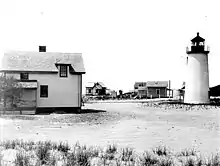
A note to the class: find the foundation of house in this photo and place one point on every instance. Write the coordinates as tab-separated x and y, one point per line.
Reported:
48	110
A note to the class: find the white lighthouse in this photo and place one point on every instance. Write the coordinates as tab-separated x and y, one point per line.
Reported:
197	77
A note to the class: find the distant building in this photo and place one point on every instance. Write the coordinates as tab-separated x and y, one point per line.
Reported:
140	89
95	89
178	94
111	93
137	85
215	91
151	89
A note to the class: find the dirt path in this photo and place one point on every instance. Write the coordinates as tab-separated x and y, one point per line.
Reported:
129	125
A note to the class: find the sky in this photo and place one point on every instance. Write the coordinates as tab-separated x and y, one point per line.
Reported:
122	41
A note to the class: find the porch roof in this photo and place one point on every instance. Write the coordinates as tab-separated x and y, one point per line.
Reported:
157	84
27	85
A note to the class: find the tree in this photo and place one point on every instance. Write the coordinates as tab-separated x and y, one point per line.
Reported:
120	93
10	92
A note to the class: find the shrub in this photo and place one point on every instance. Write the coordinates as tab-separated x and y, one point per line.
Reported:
71	159
11	144
166	161
190	162
110	151
94	151
63	147
52	160
49	153
161	150
79	156
127	155
42	152
214	160
187	152
82	157
22	159
26	145
148	159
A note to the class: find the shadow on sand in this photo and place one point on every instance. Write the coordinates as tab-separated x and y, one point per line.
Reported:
85	111
213	102
68	111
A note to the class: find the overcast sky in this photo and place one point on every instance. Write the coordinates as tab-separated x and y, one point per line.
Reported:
122	41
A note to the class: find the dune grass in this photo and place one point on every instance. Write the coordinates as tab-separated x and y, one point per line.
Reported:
51	153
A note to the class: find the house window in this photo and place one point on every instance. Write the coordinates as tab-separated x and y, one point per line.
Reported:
24	76
158	91
141	84
44	91
63	71
89	90
42	48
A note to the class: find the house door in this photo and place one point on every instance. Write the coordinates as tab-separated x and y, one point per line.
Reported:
28	101
158	92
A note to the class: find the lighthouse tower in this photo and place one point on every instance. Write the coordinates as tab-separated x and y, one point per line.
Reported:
197	77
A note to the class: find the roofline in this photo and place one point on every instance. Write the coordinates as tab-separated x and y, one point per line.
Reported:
31	51
202	39
19	80
156	86
215	86
197	52
67	64
19	71
78	73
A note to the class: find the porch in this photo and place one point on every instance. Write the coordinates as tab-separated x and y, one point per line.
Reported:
27	102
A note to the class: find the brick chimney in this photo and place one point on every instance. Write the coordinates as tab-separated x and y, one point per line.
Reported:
42	48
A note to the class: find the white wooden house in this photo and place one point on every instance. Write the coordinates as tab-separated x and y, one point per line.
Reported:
151	89
49	79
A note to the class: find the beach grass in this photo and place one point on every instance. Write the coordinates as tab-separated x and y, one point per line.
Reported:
61	153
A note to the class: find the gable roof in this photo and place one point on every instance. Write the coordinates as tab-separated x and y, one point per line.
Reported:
97	86
136	84
157	84
100	83
41	61
152	84
92	84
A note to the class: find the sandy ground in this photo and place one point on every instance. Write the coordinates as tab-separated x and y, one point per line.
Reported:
126	124
128	100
